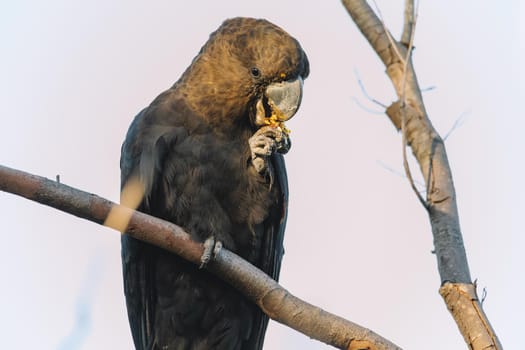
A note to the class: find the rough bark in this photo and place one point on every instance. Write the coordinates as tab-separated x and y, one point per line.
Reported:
463	303
408	114
274	300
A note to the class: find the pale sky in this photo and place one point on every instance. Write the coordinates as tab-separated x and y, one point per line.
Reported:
74	74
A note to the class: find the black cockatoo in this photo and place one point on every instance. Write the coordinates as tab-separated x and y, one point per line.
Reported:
207	154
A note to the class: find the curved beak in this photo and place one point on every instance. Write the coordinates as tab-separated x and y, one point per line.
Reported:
285	97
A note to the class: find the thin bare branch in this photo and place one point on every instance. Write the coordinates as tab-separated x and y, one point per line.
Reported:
366	109
406	166
401	174
459	121
409	22
273	299
430	88
408	57
483	295
407	60
363	90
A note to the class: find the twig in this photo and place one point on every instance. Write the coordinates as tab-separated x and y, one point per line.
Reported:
409	22
412	19
366	109
408	59
459	121
363	90
430	88
406	166
400	174
483	295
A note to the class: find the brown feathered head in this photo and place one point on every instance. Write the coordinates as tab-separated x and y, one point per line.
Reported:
250	70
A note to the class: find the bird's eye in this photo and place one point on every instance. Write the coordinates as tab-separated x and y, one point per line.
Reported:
256	73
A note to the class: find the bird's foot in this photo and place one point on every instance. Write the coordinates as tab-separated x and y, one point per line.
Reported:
211	249
264	142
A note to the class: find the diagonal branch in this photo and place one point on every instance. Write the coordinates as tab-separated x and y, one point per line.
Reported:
409	115
274	300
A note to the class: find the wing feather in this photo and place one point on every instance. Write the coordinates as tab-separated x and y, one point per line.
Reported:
273	248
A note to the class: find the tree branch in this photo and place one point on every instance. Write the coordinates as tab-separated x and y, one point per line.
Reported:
409	23
274	300
409	115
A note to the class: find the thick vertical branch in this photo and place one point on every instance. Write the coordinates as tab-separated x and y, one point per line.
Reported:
409	115
429	150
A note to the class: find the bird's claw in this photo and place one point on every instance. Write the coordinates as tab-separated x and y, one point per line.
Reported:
211	249
264	142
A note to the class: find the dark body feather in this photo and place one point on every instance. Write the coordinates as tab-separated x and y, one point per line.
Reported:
190	150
